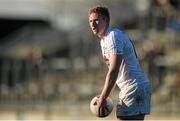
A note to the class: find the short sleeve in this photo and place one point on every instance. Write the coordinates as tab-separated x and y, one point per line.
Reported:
115	44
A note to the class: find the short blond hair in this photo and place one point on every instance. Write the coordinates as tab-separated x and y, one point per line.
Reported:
100	10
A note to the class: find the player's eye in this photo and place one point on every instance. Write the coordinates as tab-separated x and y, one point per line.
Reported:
96	21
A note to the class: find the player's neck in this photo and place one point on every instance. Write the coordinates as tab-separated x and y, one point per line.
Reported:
101	35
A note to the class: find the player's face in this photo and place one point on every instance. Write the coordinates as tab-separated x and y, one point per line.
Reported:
97	24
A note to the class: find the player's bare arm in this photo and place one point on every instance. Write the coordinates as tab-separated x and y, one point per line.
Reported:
111	76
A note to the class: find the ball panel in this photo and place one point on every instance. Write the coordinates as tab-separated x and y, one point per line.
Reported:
93	106
104	111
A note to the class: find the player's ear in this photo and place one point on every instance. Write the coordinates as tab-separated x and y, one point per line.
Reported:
104	18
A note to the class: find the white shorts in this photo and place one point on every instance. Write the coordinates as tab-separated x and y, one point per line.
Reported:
134	100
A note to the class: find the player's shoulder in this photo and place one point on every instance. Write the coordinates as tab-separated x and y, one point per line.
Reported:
116	32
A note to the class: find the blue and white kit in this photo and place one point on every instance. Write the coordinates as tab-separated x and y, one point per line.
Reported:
135	89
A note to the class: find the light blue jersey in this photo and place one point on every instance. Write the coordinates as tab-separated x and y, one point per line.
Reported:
117	42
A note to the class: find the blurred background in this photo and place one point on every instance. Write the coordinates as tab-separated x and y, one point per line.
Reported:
51	64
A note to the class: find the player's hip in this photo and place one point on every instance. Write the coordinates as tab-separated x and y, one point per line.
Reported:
134	99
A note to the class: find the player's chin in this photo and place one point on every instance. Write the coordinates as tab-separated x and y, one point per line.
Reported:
95	32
